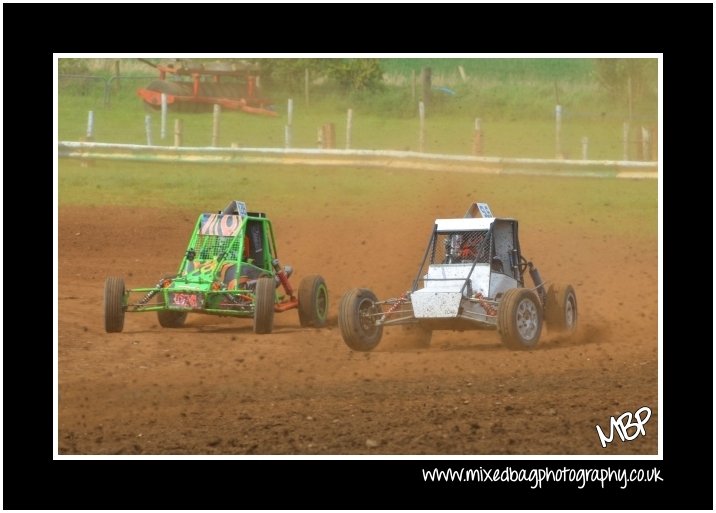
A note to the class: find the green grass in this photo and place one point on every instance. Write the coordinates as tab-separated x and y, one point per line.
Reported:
626	207
451	133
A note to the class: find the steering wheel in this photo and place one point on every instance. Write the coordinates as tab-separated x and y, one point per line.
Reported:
523	264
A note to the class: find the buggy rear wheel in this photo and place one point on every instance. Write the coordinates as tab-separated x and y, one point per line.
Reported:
312	301
357	320
171	318
561	309
264	304
113	304
519	319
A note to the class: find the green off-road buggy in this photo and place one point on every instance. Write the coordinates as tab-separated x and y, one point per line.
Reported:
230	268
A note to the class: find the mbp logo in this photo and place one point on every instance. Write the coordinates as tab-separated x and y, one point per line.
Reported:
623	423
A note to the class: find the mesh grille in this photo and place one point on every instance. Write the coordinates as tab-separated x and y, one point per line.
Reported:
210	246
460	247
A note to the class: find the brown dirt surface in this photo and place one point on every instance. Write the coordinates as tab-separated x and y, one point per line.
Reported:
214	387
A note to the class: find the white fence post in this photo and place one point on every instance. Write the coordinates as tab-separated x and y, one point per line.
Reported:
477	141
421	112
558	132
178	132
90	125
215	125
287	133
645	143
585	147
163	128
148	128
349	129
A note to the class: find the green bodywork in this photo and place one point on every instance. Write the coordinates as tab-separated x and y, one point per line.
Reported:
223	248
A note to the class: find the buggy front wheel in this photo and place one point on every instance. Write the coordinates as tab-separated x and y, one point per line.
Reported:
519	319
113	304
357	316
264	302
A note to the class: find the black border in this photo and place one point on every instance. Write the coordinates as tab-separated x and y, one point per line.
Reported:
32	480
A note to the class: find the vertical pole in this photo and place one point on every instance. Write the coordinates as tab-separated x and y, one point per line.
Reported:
116	74
421	113
477	142
585	147
646	143
639	143
414	84
625	141
215	125
349	129
178	132
90	126
319	139
88	137
307	84
163	126
558	131
329	136
630	99
462	73
289	122
148	128
426	76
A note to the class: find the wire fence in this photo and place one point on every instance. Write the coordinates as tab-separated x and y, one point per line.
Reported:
121	117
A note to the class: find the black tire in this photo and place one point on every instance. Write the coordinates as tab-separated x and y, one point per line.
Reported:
312	301
560	310
264	302
417	335
113	304
171	318
356	322
519	319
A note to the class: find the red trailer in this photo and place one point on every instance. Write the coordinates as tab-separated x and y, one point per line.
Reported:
196	87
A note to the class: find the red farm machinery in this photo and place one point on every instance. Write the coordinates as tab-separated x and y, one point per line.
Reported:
197	87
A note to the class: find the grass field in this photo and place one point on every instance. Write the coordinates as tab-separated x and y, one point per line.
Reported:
598	205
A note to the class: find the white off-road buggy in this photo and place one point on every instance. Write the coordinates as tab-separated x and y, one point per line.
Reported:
471	277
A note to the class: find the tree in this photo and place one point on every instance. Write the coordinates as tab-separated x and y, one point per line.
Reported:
628	78
349	74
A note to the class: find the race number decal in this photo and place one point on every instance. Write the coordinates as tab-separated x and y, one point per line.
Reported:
241	207
484	209
219	224
184	300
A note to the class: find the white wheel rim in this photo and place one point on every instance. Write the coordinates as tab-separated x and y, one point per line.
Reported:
527	319
569	312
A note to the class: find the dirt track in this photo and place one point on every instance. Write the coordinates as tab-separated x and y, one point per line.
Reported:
214	387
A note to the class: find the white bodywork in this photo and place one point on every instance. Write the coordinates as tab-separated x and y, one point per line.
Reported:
442	294
464	224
